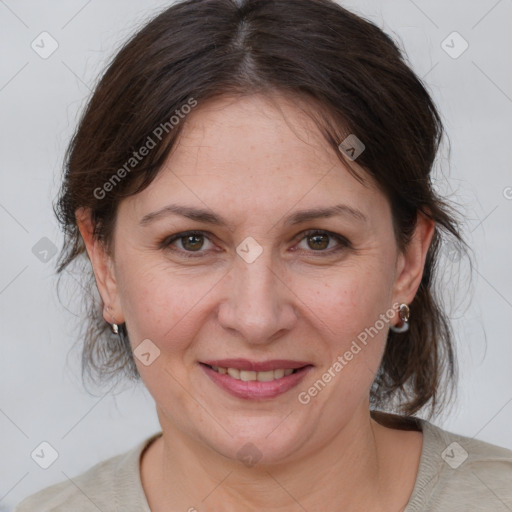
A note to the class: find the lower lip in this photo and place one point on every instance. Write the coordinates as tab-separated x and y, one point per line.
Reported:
254	389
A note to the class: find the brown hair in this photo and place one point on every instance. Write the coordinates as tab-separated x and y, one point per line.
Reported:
344	66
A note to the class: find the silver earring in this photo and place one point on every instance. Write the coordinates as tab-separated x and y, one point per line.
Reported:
403	313
114	327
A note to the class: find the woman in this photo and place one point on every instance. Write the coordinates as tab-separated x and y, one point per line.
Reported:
251	184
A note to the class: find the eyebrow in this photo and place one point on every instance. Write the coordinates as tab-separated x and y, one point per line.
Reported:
202	215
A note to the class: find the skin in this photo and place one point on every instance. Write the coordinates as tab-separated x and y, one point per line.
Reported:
256	161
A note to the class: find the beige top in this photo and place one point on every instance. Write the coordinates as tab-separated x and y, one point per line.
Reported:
455	474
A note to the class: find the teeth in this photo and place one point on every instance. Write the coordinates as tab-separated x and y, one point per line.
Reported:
233	372
266	376
247	376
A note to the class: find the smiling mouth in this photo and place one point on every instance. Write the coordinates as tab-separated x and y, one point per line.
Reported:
248	376
256	380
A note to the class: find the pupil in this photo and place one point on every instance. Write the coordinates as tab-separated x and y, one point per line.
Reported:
194	246
317	238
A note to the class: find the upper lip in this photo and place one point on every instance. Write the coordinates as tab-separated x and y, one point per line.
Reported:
256	366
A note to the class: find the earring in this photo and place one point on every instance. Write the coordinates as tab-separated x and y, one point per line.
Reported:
114	327
403	313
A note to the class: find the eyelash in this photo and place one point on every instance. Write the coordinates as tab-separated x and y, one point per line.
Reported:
344	243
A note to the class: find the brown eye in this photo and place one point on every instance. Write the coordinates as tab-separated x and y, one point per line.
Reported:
187	243
321	242
318	241
192	242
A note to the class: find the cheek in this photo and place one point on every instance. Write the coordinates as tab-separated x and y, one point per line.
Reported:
348	300
161	304
351	313
164	307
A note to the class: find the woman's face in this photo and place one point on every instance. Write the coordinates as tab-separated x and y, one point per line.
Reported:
261	287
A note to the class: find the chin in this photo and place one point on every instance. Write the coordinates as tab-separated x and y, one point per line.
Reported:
258	441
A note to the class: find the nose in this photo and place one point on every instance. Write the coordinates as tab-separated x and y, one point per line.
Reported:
259	305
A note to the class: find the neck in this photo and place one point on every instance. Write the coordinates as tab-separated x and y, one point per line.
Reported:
348	472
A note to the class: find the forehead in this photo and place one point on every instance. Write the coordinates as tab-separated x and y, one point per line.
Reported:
272	130
254	153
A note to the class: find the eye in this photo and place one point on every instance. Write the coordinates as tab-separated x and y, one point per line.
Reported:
190	241
319	241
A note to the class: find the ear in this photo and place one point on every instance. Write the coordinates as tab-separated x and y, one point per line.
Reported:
411	262
103	267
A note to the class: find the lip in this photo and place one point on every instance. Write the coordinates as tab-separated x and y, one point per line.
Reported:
255	390
257	366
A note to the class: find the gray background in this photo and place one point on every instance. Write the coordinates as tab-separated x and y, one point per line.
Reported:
42	398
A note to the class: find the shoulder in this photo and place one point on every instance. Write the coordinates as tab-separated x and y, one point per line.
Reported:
101	487
460	473
81	493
